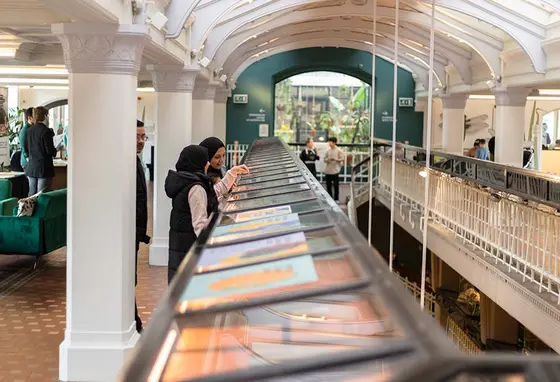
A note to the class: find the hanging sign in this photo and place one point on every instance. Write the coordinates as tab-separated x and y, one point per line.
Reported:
241	98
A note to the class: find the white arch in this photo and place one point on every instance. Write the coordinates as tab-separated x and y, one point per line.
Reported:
420	71
487	47
241	56
459	62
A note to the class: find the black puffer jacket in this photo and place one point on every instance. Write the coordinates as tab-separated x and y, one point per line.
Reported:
141	204
177	187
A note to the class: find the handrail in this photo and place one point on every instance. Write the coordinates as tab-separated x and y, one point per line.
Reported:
527	184
353	190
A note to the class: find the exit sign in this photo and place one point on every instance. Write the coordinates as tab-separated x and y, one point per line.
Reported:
240	98
406	102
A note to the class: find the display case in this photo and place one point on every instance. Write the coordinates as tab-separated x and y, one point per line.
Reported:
281	287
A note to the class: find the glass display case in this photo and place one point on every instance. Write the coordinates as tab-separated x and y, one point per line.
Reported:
281	287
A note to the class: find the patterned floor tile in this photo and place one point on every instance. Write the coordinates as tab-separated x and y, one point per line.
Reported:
33	311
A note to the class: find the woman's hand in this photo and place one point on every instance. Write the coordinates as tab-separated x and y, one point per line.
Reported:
240	170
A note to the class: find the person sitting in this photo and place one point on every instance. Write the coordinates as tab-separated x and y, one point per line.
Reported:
482	152
194	199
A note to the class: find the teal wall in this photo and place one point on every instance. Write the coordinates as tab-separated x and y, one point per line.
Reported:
259	79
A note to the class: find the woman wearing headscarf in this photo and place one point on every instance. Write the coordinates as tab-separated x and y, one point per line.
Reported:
194	199
217	157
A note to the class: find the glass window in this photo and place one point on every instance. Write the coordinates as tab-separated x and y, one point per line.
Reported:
268	192
296	207
271	184
266	178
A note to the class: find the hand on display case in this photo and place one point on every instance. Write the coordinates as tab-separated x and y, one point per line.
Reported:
240	170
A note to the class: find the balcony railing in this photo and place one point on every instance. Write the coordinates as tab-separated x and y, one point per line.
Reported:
461	340
510	214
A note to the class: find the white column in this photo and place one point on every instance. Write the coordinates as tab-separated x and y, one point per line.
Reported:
174	85
453	123
103	61
203	110
510	125
220	113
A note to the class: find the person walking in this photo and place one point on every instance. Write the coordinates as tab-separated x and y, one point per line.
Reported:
141	210
40	151
309	156
334	158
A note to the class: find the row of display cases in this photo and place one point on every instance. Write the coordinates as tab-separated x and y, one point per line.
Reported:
280	286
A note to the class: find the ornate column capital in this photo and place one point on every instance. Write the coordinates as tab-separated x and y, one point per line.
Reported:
205	90
222	95
173	78
102	48
454	101
511	96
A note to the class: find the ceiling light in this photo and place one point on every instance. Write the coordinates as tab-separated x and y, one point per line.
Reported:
44	87
145	90
7	52
12	70
553	92
32	81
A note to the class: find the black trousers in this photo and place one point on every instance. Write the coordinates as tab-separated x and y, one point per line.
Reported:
332	185
136	315
312	169
175	260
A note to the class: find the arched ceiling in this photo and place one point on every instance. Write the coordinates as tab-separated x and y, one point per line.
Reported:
471	35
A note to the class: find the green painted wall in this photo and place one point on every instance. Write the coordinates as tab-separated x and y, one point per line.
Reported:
259	79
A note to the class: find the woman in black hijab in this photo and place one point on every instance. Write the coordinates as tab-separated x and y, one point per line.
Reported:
217	157
223	181
193	201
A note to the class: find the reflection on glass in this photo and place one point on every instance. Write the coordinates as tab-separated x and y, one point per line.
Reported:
271	184
271	171
298	208
259	228
271	159
268	192
268	201
267	178
506	377
278	333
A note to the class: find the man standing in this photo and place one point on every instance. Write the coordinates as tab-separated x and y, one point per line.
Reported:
40	151
28	115
334	158
141	209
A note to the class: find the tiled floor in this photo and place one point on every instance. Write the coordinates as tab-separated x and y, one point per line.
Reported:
33	312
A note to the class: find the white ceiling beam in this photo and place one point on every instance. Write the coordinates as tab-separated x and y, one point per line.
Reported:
488	47
525	31
178	11
420	72
252	47
554	4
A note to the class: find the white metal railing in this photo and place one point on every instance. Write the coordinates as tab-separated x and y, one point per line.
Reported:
461	340
430	301
523	236
352	156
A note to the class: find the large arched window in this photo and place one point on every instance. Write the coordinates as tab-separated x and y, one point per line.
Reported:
320	105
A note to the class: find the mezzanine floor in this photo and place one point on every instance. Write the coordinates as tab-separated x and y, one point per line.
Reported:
33	312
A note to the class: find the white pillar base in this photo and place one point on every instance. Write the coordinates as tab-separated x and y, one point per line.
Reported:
159	251
95	357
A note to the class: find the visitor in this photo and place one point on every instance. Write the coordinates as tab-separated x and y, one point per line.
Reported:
40	151
217	154
28	121
194	199
141	209
482	152
545	137
472	150
309	156
334	158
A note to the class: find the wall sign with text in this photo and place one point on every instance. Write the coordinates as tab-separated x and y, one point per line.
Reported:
406	102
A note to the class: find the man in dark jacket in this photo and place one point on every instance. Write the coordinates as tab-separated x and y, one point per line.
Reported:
141	208
40	151
193	199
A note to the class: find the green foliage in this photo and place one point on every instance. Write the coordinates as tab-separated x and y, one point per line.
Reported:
14	126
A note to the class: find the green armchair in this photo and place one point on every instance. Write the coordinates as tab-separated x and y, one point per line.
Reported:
5	189
39	234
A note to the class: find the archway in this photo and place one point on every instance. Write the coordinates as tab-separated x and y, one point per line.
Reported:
320	104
